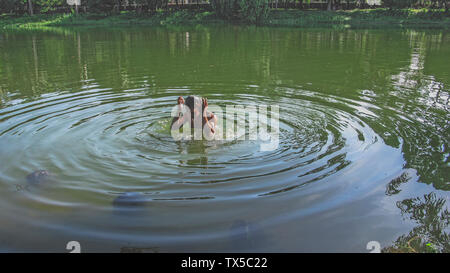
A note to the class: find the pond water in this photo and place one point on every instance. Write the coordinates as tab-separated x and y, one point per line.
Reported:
362	153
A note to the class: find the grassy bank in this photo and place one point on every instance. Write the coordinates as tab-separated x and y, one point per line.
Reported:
299	18
99	20
362	18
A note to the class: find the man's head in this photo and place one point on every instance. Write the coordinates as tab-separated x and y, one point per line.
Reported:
195	104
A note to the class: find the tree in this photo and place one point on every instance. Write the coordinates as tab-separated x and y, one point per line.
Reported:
30	7
7	6
330	4
254	11
398	3
49	5
100	6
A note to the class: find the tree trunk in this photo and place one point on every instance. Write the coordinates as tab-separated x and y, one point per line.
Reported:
118	6
30	7
330	5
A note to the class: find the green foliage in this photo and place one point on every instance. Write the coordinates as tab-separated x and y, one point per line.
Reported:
49	5
247	11
254	11
398	3
177	17
153	4
7	6
227	9
101	6
204	15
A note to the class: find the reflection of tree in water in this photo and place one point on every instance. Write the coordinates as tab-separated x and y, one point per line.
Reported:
420	98
198	151
431	234
199	148
393	186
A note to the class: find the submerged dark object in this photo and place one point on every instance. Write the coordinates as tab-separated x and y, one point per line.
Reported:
130	200
38	177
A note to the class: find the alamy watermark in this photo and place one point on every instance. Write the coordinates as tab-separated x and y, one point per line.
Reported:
74	247
258	126
374	246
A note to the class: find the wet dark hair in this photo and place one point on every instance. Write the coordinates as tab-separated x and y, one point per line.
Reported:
191	102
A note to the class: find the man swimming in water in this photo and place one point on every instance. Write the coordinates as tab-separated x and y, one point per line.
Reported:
197	109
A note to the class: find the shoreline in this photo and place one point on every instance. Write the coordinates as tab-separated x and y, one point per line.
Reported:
371	18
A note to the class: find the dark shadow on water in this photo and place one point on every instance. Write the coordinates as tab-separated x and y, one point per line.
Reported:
130	204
